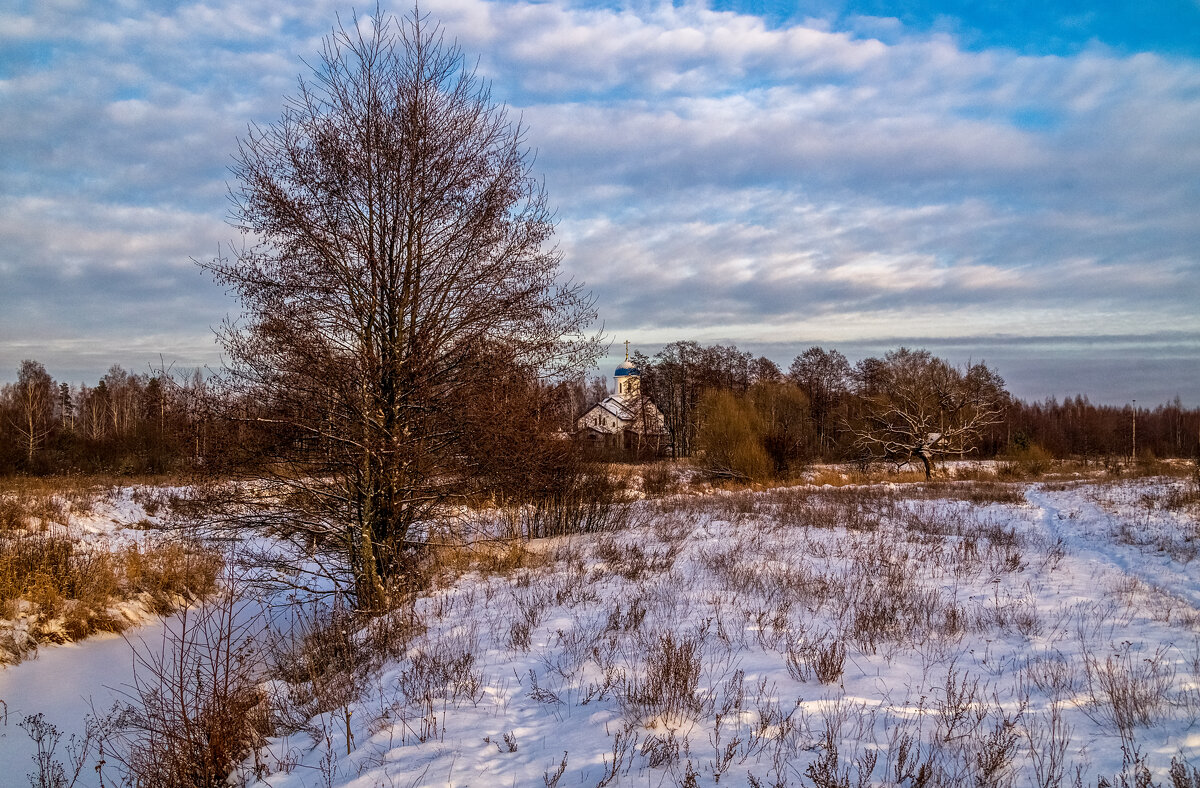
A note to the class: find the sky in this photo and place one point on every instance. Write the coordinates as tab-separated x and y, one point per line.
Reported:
1012	182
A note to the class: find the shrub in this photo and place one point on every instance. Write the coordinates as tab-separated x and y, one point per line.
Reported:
730	439
659	479
577	499
1128	689
672	677
1028	460
194	710
825	661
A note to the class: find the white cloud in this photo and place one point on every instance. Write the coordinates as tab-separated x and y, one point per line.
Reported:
714	176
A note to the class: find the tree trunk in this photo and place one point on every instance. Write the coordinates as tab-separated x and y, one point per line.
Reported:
927	463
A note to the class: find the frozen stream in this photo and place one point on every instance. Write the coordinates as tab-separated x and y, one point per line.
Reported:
66	683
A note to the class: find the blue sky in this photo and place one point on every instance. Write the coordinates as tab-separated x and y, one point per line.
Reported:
1018	182
1028	26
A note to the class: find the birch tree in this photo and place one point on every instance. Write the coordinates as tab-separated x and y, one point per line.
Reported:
33	398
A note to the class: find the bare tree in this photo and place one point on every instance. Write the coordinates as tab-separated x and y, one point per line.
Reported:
405	246
596	391
825	378
92	410
916	406
764	370
672	380
33	396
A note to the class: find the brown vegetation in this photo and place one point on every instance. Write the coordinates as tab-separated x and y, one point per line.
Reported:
194	709
59	588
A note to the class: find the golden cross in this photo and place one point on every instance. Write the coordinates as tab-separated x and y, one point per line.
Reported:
627	350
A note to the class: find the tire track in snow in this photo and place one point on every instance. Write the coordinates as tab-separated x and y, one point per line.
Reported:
1088	536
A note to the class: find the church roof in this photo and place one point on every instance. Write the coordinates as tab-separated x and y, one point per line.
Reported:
627	368
615	404
623	409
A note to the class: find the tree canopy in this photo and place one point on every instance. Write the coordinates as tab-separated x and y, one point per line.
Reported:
403	261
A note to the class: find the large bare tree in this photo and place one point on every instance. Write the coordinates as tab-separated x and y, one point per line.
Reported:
402	259
918	407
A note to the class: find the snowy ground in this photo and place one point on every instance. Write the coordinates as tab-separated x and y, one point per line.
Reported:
964	633
904	635
107	516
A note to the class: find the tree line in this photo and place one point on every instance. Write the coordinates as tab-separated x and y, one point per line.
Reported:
906	405
714	400
126	423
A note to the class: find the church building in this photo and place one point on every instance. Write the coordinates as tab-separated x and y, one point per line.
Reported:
627	419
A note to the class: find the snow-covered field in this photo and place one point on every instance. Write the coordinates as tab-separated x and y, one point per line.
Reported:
964	633
957	634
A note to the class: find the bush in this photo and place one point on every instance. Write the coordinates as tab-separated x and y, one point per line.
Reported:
1024	461
730	439
787	431
671	683
659	479
195	710
322	660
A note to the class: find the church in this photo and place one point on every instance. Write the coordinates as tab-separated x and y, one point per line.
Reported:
625	420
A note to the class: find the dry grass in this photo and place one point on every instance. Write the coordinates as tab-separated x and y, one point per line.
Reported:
1129	689
78	487
842	476
64	589
452	558
976	492
996	481
942	584
668	687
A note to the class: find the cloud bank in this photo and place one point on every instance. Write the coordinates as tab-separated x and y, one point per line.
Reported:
718	176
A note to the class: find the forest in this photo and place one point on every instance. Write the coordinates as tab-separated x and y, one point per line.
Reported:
162	421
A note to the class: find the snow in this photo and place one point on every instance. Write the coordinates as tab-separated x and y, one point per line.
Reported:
115	516
1025	610
65	683
1031	615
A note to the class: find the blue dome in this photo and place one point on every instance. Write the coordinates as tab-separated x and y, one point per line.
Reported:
627	369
